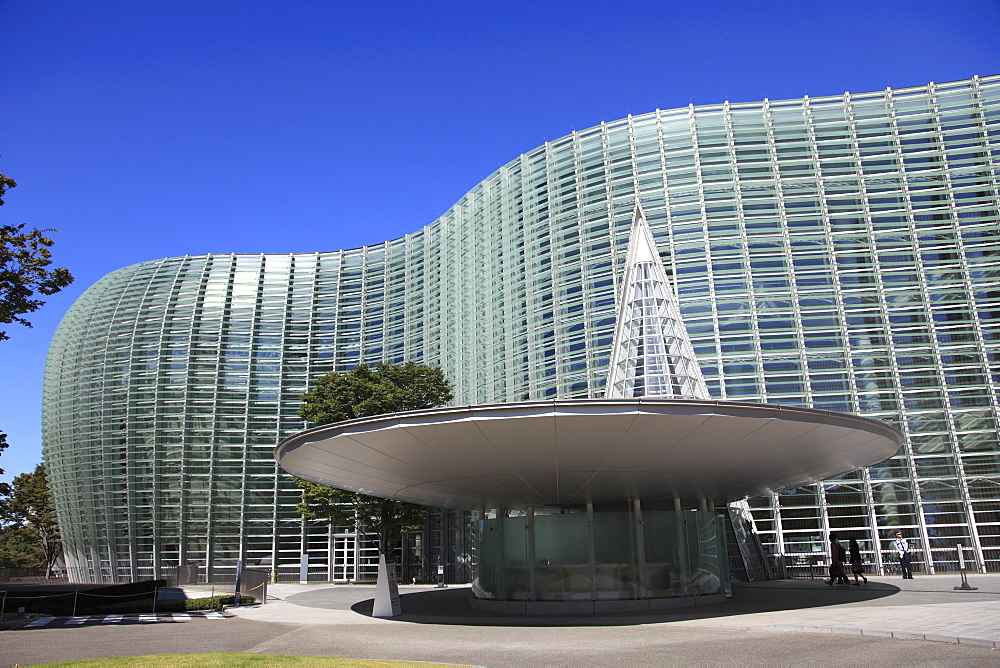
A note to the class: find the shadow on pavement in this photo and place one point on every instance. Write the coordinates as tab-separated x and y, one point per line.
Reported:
451	606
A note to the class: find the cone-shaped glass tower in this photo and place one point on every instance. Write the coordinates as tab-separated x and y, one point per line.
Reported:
652	355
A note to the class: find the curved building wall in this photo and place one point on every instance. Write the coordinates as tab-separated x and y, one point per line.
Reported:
838	252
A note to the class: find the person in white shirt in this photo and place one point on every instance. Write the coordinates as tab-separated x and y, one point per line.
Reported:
903	550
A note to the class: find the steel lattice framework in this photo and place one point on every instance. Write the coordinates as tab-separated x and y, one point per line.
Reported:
651	355
838	252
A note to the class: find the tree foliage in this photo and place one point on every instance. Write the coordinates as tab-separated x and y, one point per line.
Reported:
5	183
29	536
24	269
386	518
364	392
4	487
30	521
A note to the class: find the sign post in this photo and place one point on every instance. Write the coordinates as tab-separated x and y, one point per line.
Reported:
961	567
386	590
304	569
239	581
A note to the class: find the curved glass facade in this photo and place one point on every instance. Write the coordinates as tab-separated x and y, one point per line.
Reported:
838	252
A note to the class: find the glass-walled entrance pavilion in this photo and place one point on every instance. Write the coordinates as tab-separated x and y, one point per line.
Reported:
651	470
598	561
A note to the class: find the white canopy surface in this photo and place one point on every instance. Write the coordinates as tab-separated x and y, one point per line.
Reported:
565	453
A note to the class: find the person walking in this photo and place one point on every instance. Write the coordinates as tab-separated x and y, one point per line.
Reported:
837	556
857	568
903	550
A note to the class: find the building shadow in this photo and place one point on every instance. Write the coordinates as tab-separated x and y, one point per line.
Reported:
451	606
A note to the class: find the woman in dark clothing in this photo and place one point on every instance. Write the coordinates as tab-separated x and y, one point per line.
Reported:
838	575
856	567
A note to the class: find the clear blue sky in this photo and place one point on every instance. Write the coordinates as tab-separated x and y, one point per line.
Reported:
154	129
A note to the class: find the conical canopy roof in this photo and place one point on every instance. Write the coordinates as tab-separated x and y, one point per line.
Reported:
652	355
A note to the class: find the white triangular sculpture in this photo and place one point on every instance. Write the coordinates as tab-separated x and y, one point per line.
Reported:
386	591
651	355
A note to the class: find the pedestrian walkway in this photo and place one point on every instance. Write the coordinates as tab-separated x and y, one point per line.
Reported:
136	618
925	608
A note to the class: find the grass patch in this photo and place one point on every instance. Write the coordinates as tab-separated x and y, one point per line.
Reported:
233	660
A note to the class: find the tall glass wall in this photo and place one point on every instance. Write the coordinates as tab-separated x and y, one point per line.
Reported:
837	252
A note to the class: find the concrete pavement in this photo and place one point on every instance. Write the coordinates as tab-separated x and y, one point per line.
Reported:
925	608
889	622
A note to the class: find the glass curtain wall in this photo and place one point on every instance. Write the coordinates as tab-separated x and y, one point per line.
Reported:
837	252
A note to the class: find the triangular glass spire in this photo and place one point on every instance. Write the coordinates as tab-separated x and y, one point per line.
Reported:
652	355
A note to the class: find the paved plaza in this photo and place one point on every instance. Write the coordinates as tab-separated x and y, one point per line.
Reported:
890	621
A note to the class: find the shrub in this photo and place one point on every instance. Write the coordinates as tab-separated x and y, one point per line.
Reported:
215	602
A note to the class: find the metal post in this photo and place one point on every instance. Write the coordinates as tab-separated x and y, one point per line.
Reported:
156	591
3	606
76	595
961	567
239	581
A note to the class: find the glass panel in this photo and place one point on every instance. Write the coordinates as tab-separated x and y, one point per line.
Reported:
562	568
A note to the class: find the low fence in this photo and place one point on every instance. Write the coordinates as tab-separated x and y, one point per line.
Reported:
147	596
64	600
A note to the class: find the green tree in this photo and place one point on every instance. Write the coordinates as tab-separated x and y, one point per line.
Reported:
19	549
364	392
24	261
386	518
4	487
29	518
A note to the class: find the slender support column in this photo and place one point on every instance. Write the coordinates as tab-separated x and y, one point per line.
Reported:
702	505
330	542
501	557
677	504
357	554
591	552
529	548
640	551
681	540
711	505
